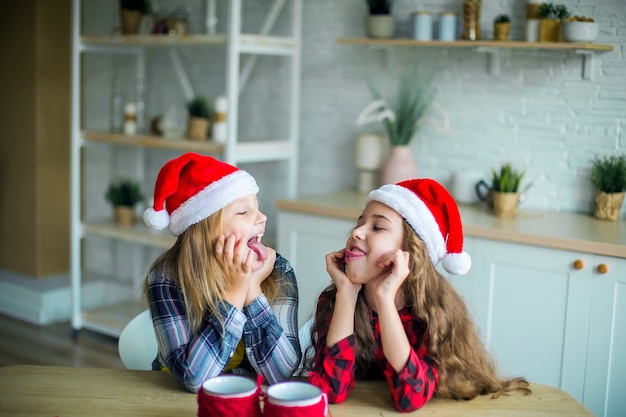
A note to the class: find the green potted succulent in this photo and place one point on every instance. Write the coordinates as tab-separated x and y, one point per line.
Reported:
608	175
199	118
380	23
551	16
502	27
131	12
505	183
124	194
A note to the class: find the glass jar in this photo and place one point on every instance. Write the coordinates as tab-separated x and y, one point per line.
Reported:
471	20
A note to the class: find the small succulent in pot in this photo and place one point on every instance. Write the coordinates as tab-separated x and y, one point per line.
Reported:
507	179
553	11
379	6
199	107
124	192
502	18
142	6
608	175
199	121
502	27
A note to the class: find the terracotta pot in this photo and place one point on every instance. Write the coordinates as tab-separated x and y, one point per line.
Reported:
380	25
505	204
399	166
124	215
502	31
131	19
609	205
197	128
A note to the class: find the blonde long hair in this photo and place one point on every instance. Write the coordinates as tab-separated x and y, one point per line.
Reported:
465	368
191	263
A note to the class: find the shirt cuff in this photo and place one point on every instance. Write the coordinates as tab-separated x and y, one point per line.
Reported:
257	313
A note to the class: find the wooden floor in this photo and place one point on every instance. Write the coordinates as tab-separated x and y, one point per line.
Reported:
22	343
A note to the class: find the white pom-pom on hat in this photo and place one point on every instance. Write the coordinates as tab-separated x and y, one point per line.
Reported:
157	220
457	263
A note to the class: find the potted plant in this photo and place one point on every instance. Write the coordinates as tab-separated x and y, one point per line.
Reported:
551	16
505	185
502	27
199	118
401	120
131	12
380	23
608	175
124	194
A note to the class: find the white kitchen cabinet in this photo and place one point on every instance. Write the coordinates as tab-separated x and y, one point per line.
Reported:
532	308
118	302
546	314
305	240
605	375
550	315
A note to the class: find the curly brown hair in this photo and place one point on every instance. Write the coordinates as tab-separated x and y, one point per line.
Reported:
465	368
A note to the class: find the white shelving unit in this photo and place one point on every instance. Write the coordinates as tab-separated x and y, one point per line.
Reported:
110	319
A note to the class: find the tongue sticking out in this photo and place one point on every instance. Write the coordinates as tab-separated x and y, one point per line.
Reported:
258	248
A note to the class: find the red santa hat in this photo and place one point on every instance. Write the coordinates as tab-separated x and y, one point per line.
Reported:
432	212
191	187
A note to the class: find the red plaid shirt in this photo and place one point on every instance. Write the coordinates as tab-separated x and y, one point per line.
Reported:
411	388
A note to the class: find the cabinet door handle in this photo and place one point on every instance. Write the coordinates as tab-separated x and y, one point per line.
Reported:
579	264
603	268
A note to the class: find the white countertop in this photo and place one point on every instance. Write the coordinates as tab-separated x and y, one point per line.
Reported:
552	229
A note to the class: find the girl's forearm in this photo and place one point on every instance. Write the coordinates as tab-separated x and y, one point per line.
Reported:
396	347
342	321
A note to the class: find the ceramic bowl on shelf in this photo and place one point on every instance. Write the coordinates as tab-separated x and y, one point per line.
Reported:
574	31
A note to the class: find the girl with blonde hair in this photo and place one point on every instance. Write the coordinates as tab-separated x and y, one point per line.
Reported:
220	300
389	314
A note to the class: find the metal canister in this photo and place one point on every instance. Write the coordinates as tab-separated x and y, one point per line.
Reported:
447	26
422	26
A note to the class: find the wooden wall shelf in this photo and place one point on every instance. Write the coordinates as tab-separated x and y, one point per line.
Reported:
493	48
476	44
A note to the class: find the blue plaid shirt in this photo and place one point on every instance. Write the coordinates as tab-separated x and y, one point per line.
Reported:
269	332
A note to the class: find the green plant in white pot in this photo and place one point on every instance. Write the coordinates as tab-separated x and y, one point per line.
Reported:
380	23
608	175
124	194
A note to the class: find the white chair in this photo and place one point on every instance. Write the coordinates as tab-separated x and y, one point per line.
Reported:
304	334
137	345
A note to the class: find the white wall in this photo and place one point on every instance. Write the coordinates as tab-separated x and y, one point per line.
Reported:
538	113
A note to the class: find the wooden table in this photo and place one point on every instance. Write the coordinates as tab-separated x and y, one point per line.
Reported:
64	392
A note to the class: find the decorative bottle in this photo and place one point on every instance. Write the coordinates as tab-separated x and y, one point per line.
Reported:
220	129
130	119
117	106
471	20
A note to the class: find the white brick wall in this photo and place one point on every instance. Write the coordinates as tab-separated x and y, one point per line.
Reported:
538	113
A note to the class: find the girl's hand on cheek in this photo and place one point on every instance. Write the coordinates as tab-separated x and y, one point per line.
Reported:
232	255
236	265
396	263
335	265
